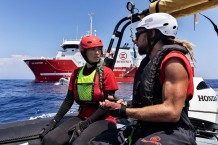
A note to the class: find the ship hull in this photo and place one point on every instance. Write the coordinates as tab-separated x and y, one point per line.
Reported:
51	70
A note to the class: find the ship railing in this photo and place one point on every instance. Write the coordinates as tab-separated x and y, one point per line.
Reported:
42	58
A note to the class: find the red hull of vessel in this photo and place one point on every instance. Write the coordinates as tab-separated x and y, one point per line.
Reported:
51	70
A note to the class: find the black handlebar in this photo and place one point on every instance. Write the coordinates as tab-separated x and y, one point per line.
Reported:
110	62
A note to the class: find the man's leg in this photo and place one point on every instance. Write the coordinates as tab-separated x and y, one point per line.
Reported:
112	137
170	137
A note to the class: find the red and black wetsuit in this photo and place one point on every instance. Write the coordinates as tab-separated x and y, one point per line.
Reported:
60	134
109	84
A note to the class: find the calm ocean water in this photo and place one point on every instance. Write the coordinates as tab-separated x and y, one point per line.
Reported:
24	99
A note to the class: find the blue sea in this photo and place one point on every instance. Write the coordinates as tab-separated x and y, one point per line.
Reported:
24	99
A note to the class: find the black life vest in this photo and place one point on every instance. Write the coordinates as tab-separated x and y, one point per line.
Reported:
147	89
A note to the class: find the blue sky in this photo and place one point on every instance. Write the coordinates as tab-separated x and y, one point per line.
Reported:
36	28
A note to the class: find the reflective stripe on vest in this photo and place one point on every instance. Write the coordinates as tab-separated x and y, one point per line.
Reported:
85	85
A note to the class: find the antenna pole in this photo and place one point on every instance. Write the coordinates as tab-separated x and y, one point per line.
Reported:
91	14
76	31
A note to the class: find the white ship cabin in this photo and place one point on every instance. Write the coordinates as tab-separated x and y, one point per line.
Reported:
71	51
127	58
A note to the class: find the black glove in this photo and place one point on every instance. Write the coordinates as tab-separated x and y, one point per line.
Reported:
48	128
118	112
76	130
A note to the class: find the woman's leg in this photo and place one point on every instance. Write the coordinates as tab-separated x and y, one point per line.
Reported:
93	130
59	135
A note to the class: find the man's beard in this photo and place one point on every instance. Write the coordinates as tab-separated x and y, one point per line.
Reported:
142	50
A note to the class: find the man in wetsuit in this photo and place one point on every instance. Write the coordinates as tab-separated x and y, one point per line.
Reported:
163	86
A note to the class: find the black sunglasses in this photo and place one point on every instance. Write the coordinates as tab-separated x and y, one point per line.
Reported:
137	34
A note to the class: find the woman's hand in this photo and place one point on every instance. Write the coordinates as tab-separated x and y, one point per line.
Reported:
114	109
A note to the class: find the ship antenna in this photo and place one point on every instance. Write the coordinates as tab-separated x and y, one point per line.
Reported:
95	32
91	14
77	31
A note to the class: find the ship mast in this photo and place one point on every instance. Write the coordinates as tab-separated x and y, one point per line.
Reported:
91	14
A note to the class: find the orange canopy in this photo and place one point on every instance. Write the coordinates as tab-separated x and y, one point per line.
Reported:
180	8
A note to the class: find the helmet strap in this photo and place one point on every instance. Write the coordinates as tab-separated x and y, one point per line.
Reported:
86	58
149	38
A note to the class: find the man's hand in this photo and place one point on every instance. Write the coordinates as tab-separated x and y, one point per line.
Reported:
114	109
121	101
48	128
76	130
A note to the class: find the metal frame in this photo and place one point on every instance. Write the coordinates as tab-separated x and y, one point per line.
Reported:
110	62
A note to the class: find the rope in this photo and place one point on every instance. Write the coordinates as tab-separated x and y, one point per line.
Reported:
100	70
203	111
131	36
131	30
30	137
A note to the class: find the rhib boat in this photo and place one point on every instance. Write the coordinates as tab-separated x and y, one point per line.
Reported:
203	107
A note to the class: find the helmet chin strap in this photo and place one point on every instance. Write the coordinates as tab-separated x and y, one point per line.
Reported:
87	60
151	45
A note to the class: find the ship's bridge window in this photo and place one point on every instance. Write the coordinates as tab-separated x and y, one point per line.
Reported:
71	46
202	85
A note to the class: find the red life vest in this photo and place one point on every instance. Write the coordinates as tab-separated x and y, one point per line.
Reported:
186	62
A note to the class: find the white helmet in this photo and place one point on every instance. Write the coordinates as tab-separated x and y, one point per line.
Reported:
164	22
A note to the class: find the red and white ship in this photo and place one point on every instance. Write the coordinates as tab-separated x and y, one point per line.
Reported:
69	58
